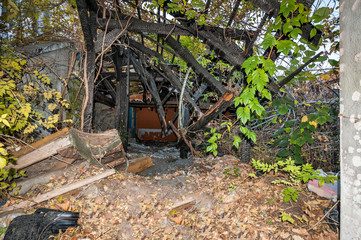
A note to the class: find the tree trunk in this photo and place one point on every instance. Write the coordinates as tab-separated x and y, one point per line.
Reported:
350	123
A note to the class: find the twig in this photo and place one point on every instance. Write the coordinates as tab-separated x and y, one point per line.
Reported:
85	100
323	217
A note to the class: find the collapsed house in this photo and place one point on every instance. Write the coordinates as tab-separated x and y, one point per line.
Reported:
130	85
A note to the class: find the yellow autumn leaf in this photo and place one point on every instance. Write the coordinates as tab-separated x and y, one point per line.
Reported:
2	162
48	94
1	73
325	76
304	119
52	106
314	123
4	121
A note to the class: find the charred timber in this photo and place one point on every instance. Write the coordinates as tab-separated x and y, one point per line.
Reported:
139	26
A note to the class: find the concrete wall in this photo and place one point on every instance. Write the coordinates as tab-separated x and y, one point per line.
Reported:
52	59
350	119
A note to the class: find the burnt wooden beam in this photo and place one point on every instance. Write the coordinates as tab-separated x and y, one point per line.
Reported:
87	17
219	107
122	96
100	98
298	70
140	26
196	66
168	73
109	86
249	46
164	100
233	14
206	7
160	45
149	82
200	91
103	43
274	5
139	17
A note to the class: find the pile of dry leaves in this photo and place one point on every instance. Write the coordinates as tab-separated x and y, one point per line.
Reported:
199	203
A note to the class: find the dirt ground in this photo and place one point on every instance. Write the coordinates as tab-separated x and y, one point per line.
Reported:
196	202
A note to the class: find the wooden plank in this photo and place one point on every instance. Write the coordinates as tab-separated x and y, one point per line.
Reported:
40	143
48	147
59	191
139	164
64	162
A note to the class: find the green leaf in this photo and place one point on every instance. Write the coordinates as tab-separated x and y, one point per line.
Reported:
283	153
247	95
260	79
294	33
296	150
244	114
321	14
300	141
287	27
334	63
294	197
283	109
4	121
287	6
312	117
269	66
252	136
244	130
268	41
313	32
285	46
266	94
284	143
298	159
322	181
236	141
287	198
250	64
308	136
256	107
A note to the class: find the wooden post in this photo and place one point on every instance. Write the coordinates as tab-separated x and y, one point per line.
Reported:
88	21
122	98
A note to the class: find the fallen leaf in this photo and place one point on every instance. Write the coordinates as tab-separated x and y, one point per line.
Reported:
300	231
284	235
296	237
64	206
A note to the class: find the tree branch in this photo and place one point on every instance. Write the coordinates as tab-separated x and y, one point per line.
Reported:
292	75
